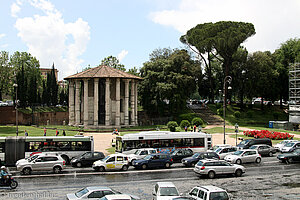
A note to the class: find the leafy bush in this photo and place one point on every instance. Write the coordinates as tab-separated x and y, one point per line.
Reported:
172	125
218	106
269	134
184	123
250	114
187	116
197	121
220	111
237	114
276	115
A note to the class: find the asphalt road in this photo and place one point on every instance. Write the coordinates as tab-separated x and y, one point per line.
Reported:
268	180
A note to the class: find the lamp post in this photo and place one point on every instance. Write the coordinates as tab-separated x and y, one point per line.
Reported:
227	79
16	86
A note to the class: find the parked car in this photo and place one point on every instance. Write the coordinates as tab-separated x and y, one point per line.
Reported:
246	144
179	154
264	150
213	167
183	198
290	146
208	192
157	160
87	159
224	151
92	192
244	156
215	147
112	162
96	192
117	197
41	162
281	144
165	191
192	161
3	103
141	153
290	157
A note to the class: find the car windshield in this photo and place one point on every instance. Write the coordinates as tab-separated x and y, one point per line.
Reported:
290	144
238	153
218	195
253	147
106	158
283	142
82	192
148	157
196	155
168	191
296	151
137	152
31	158
218	150
244	142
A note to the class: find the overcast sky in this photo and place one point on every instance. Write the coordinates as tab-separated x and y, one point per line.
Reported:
73	34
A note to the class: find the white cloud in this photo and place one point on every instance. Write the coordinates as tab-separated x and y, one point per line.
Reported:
46	37
4	46
14	9
2	35
275	21
122	55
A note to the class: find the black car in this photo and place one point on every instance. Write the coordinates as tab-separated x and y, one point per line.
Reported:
246	144
157	160
179	154
290	157
87	159
191	161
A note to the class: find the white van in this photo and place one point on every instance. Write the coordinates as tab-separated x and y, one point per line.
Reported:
112	162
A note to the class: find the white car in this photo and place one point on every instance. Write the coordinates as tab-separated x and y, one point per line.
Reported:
224	151
165	191
208	192
290	146
244	156
114	161
280	145
117	197
140	154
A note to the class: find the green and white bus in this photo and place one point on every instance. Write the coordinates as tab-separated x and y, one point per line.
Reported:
164	141
15	148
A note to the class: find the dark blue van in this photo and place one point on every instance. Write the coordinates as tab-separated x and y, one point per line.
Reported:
158	160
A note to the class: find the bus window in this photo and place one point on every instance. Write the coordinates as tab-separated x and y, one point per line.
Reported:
199	142
2	147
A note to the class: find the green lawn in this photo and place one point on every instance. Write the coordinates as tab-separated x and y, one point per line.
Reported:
219	130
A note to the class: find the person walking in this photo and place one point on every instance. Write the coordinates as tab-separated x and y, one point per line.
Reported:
57	133
195	128
26	134
64	132
185	128
45	131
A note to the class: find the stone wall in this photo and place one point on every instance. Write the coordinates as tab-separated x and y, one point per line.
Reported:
8	116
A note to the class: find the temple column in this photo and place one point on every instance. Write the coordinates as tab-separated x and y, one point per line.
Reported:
96	100
136	103
77	102
118	102
132	102
126	105
71	104
107	102
86	103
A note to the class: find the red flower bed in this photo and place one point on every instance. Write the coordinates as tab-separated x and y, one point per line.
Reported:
268	134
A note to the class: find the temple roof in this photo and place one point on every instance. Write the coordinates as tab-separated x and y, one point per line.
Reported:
103	71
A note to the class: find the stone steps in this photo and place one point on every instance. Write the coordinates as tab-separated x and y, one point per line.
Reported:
207	115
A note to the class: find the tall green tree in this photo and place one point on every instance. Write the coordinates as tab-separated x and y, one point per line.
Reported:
6	74
167	81
287	54
114	62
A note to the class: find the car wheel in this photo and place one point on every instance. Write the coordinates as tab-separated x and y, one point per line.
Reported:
144	166
238	161
238	173
289	160
211	174
167	165
26	171
124	168
56	170
79	164
270	154
101	169
258	160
